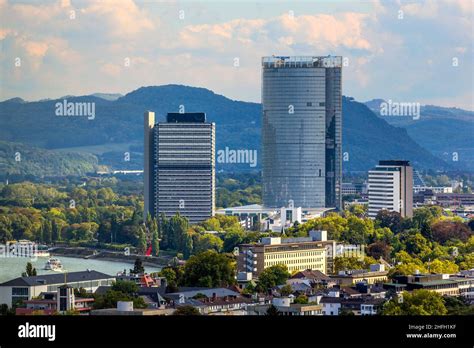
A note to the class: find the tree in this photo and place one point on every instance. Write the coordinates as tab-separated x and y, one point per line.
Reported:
103	233
444	231
142	240
342	263
301	299
4	310
378	250
138	267
271	277
334	223
232	240
346	311
186	310
111	297
209	269
188	246
249	289
445	266
212	224
171	276
415	243
424	217
407	265
272	311
207	242
358	230
418	302
155	238
47	229
30	270
125	286
458	306
390	219
358	210
286	290
56	231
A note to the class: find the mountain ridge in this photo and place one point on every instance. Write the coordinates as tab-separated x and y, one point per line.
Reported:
366	137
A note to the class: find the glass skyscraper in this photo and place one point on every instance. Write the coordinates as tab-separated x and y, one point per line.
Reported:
301	131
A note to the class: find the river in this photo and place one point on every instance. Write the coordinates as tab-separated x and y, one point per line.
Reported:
12	267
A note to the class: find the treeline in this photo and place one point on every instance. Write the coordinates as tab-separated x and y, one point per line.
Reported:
238	189
21	159
107	212
221	234
51	214
431	241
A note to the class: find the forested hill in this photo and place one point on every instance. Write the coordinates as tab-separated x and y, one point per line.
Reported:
25	160
366	138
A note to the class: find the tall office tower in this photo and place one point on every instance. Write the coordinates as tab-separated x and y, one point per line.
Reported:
391	188
149	164
184	170
301	131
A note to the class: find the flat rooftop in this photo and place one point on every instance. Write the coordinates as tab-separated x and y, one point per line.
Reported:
187	117
58	278
302	62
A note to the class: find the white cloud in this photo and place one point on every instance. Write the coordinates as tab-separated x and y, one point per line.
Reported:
409	58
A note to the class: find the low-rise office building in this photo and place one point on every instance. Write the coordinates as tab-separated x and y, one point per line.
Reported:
26	288
51	303
443	284
296	254
377	274
286	307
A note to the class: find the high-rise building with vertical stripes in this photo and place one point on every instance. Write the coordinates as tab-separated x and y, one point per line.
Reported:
183	168
301	131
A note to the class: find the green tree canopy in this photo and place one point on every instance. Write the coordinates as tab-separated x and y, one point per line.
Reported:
209	269
271	277
418	302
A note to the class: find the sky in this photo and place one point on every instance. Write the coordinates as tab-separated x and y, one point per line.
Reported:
405	51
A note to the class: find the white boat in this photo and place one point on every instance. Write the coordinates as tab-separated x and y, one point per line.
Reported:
53	264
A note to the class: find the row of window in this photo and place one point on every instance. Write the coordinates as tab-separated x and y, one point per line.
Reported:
299	254
291	262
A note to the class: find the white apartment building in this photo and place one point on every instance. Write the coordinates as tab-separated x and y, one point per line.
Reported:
391	188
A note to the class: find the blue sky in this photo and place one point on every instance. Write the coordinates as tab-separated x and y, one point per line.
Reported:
410	51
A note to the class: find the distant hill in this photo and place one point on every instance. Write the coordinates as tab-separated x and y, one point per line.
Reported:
21	159
442	131
366	137
107	96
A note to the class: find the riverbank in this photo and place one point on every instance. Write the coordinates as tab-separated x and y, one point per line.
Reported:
13	267
107	255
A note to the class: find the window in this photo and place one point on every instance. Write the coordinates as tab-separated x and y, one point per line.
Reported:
19	294
309	104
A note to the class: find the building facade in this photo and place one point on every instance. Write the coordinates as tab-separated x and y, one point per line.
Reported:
148	164
391	188
301	131
297	256
27	288
182	167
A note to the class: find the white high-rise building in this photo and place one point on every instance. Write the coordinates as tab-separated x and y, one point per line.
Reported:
179	166
391	188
